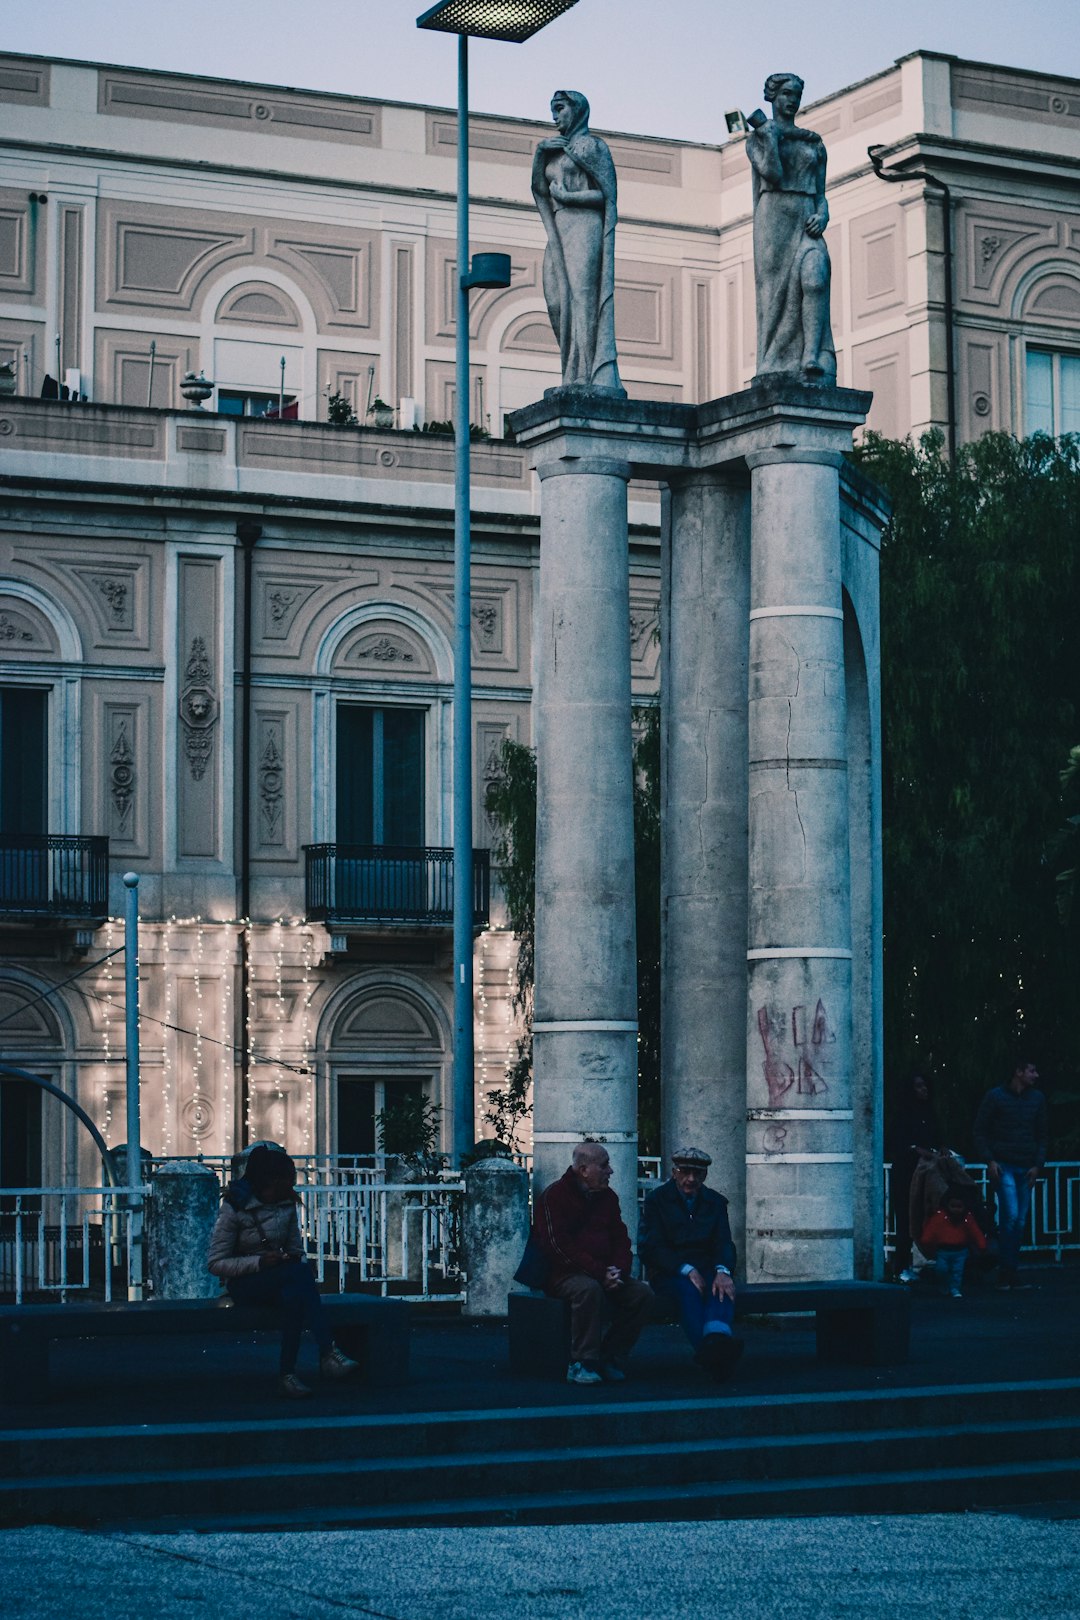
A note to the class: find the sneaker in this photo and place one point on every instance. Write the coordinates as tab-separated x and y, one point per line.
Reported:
908	1275
954	1293
336	1364
611	1372
582	1372
292	1388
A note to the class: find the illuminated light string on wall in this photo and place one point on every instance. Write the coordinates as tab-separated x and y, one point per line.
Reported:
307	992
166	1043
197	1054
249	943
225	966
105	1122
280	1014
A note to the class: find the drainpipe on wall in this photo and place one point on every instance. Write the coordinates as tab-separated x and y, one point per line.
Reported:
874	153
248	533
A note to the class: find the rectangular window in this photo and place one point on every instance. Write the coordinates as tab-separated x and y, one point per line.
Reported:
23	756
360	1100
231	402
20	1135
380	776
1052	392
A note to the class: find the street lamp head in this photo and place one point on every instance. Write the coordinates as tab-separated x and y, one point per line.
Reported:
512	20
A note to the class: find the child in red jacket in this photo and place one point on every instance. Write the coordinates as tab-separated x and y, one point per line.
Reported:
950	1232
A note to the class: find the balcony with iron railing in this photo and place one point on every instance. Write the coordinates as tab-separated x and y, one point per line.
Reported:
354	885
53	877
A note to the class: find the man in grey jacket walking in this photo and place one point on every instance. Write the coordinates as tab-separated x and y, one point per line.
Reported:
1010	1135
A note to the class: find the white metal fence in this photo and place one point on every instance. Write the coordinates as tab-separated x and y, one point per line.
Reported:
59	1241
361	1230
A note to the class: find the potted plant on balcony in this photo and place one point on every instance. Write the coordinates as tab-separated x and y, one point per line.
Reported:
381	413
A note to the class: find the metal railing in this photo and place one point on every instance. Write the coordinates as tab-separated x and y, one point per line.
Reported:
53	875
1053	1223
66	1240
405	1237
368	883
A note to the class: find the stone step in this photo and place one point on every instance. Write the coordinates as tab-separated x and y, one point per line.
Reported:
583	1424
391	1483
908	1491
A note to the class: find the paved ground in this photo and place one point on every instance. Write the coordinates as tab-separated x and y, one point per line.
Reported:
984	1338
965	1567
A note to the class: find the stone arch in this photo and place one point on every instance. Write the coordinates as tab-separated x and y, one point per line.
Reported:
26	1021
257	303
385	1012
60	629
1048	291
529	333
381	617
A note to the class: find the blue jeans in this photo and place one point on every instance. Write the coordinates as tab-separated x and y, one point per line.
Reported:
1013	1202
698	1316
949	1266
292	1288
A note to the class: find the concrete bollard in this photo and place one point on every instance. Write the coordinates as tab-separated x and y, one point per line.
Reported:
495	1225
181	1211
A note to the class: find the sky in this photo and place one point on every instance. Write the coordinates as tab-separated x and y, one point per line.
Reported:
655	67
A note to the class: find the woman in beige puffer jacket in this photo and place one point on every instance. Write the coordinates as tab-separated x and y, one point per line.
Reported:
257	1248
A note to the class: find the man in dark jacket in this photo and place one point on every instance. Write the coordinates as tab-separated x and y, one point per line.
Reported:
685	1245
1010	1135
579	1227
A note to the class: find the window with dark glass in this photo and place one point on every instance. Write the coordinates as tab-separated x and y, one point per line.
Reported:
360	1099
23	755
380	776
1052	392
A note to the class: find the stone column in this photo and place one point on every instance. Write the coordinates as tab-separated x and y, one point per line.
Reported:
181	1211
704	610
495	1225
799	1214
585	1006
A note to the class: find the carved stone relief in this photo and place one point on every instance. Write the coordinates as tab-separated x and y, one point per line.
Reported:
644	639
23	629
270	774
122	778
198	709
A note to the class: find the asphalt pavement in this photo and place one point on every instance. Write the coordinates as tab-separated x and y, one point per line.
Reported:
965	1567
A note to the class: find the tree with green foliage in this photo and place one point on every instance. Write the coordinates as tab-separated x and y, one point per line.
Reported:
980	590
510	801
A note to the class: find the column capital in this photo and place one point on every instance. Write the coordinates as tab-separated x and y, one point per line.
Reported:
594	466
794	453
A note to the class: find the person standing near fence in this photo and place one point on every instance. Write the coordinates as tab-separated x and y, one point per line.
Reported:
257	1248
1010	1135
913	1140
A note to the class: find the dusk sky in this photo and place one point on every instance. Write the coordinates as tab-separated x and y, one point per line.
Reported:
660	67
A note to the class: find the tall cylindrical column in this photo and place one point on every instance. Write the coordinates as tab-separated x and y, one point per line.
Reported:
704	611
585	1003
799	1215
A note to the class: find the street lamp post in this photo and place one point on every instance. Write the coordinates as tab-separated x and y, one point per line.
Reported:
512	21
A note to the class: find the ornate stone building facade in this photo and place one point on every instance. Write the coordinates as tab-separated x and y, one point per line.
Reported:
225	641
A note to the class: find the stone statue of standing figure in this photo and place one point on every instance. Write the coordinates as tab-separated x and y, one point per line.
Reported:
573	181
792	272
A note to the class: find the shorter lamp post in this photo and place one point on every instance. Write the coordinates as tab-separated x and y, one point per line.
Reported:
513	21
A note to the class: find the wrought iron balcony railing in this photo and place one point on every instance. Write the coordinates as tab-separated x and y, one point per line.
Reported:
371	883
46	875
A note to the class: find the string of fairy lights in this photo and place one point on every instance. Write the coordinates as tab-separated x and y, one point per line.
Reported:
202	953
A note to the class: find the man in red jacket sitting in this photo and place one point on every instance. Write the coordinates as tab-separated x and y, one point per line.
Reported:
578	1225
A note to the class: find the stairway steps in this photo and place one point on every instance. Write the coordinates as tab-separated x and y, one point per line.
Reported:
382	1484
905	1491
124	1450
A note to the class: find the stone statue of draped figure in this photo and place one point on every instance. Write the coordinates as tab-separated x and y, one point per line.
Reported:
792	272
573	181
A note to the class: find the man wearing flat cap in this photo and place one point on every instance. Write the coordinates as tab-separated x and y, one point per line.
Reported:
684	1242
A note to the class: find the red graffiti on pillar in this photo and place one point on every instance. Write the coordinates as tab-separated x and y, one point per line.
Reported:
779	1076
809	1034
808	1044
